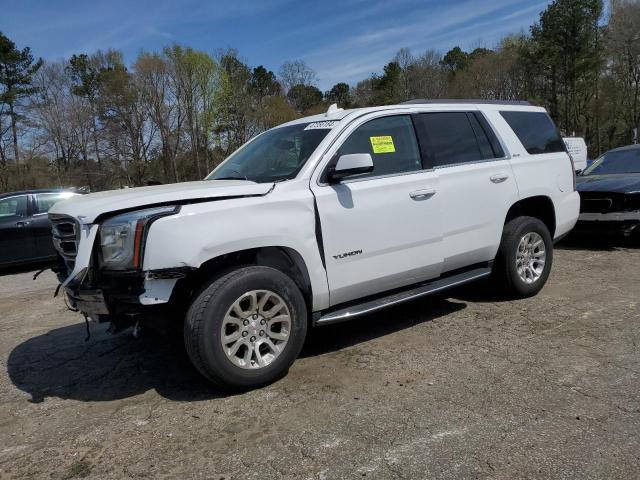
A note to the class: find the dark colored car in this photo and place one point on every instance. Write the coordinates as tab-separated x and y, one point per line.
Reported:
25	229
610	192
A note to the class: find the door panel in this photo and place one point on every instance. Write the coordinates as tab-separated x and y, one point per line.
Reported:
476	184
376	236
16	242
41	231
474	207
380	230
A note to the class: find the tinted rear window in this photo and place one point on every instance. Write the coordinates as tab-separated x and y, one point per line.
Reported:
447	138
536	131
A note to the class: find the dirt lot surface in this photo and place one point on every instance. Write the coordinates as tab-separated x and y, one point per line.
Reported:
457	386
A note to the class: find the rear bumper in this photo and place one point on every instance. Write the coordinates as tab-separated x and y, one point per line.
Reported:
567	211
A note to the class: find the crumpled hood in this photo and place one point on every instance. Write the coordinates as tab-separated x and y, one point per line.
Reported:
620	183
86	208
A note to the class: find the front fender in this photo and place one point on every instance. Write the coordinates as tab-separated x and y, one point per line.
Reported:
201	232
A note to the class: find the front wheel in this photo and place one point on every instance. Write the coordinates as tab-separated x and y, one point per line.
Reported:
246	328
524	258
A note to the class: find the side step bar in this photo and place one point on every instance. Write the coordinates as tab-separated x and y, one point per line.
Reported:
428	288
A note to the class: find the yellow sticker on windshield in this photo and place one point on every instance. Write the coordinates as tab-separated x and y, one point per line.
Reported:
383	144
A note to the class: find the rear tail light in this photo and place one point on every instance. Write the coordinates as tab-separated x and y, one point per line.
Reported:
573	170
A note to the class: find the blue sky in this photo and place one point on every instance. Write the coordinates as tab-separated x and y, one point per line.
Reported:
343	40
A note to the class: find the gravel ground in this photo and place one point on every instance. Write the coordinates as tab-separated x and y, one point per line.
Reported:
455	386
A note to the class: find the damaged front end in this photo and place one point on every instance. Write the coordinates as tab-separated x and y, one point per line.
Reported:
100	268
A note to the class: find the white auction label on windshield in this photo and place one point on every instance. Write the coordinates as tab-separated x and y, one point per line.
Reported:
317	125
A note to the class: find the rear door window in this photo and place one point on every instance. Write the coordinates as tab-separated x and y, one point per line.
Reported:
391	142
536	131
448	138
13	206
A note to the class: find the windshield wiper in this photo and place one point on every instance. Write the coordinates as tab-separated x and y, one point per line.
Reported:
239	176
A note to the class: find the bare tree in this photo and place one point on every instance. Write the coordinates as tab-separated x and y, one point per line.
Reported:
127	125
152	71
56	119
426	77
296	72
405	61
195	82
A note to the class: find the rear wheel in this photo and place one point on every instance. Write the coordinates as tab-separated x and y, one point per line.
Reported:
246	328
524	259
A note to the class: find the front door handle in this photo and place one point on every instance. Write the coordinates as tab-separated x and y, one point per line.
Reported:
422	194
499	177
21	224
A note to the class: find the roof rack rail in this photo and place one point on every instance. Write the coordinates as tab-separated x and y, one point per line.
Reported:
466	100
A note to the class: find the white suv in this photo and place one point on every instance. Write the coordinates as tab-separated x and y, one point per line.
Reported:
321	220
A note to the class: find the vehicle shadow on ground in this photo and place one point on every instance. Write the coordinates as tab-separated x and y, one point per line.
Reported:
61	364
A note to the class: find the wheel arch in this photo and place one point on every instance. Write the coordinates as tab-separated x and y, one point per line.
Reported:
282	258
539	206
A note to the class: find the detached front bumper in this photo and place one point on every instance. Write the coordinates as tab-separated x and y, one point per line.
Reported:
107	296
89	302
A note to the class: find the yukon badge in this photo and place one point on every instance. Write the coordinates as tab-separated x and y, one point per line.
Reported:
347	254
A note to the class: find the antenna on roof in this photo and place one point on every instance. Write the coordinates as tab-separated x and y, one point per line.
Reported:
333	108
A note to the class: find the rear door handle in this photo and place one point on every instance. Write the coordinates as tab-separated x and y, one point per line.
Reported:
22	224
422	194
499	177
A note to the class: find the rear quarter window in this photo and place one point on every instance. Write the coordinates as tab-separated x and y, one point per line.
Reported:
536	131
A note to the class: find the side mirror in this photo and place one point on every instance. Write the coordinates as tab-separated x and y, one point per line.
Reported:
349	165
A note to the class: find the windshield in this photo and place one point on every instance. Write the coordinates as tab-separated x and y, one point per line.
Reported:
617	161
277	154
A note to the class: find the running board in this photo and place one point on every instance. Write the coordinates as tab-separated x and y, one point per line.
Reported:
428	288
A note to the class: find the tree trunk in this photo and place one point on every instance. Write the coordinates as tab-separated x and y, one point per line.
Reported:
14	132
95	143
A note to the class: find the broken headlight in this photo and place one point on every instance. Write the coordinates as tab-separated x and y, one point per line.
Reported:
122	237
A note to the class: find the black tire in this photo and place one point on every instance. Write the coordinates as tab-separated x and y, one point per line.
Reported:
204	320
504	268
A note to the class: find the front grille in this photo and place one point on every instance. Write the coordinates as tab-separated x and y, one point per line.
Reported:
601	202
596	205
66	237
607	202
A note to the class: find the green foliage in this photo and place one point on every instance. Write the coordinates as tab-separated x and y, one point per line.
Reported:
455	60
566	53
340	93
386	88
303	97
17	68
263	83
84	74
